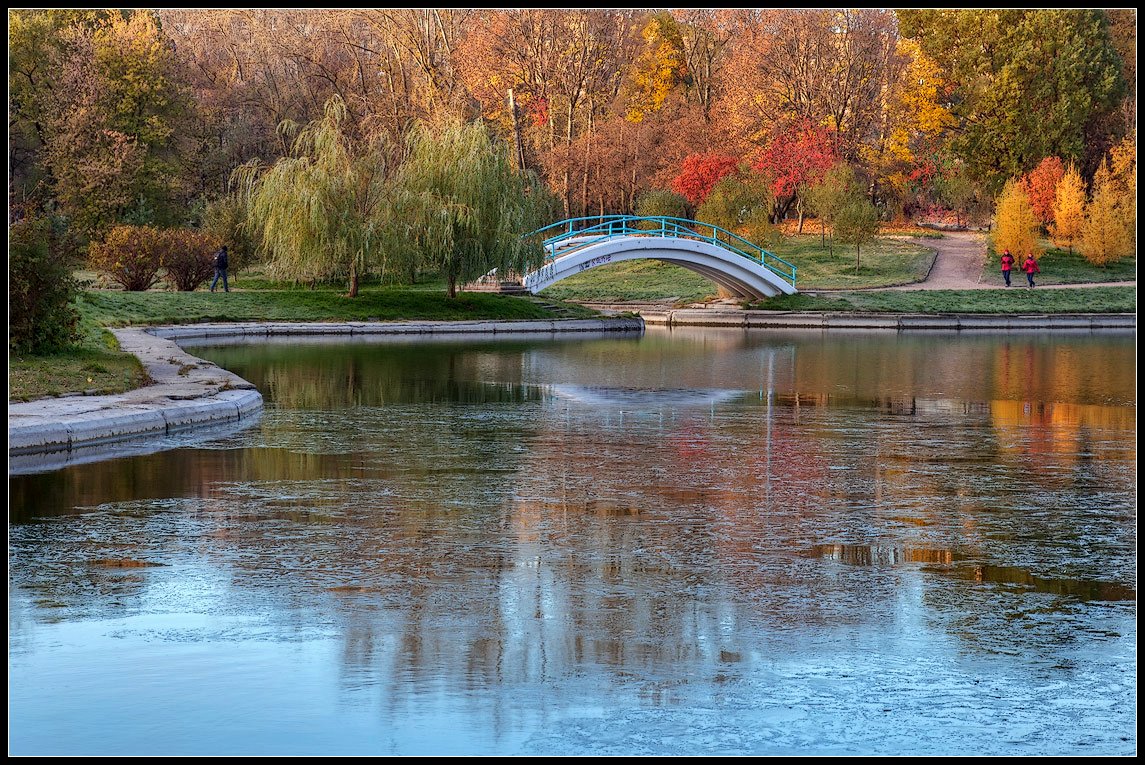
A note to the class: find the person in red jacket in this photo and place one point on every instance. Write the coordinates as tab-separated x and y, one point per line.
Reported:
1007	264
1031	268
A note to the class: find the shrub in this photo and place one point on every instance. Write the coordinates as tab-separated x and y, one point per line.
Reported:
740	205
188	257
662	203
41	288
130	255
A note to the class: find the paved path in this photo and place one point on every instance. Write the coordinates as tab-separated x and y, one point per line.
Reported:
958	266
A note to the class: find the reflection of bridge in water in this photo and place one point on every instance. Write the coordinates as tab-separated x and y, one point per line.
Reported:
734	263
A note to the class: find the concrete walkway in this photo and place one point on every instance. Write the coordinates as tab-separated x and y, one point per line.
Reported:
188	391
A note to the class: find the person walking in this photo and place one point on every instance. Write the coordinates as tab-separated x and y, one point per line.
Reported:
221	269
1031	268
1007	264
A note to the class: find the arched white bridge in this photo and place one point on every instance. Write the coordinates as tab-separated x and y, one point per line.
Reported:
579	244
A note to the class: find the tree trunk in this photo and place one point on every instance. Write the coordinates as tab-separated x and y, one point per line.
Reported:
856	258
353	280
801	214
520	147
822	231
452	286
568	162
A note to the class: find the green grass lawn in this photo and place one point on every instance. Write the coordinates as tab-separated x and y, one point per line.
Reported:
1059	266
372	304
1085	300
634	280
884	263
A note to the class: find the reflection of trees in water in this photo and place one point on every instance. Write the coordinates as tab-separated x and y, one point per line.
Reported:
447	519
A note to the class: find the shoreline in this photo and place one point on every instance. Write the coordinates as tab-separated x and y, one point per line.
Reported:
898	322
191	394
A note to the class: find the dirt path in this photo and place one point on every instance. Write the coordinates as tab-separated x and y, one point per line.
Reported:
959	262
958	266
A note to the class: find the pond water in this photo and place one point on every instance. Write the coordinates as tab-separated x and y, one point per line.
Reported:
689	542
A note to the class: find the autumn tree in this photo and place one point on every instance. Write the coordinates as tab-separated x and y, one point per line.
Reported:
659	68
39	46
1123	168
98	96
330	209
467	210
1026	84
916	121
699	173
1069	209
563	67
1105	237
1040	185
1015	226
797	157
705	34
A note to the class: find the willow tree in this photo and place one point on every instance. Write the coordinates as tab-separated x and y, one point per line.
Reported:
330	208
466	209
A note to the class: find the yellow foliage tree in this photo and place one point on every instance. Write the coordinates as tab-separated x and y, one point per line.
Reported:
1105	236
660	68
1069	209
1015	225
1123	166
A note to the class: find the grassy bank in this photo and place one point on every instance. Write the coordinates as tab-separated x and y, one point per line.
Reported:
97	366
1086	300
885	262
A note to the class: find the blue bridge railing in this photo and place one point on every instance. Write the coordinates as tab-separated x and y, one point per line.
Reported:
570	235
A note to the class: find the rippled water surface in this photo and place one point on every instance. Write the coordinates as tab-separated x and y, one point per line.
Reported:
686	543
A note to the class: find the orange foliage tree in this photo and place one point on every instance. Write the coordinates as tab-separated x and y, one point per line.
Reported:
1041	185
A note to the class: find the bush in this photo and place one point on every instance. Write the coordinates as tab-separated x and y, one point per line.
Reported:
740	205
131	256
662	203
41	288
188	257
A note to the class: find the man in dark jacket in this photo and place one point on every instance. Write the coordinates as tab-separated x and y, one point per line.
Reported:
221	269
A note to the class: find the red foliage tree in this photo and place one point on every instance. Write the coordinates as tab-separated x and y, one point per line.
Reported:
1041	186
798	156
699	173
